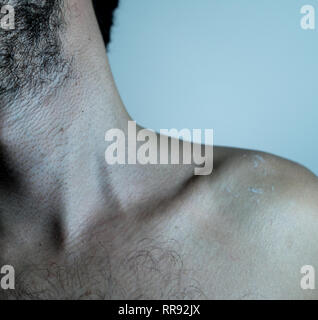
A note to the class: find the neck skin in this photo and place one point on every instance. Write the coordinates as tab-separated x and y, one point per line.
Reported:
56	145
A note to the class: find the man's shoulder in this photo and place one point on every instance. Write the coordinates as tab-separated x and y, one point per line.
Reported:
294	182
262	197
263	212
285	193
268	177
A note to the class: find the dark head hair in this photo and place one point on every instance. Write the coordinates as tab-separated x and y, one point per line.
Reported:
104	11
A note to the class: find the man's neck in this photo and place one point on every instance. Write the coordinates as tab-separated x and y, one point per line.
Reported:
54	143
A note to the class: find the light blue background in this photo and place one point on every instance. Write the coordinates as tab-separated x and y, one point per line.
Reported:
242	67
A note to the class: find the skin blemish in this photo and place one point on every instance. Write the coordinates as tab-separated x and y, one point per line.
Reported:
230	191
256	190
258	160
